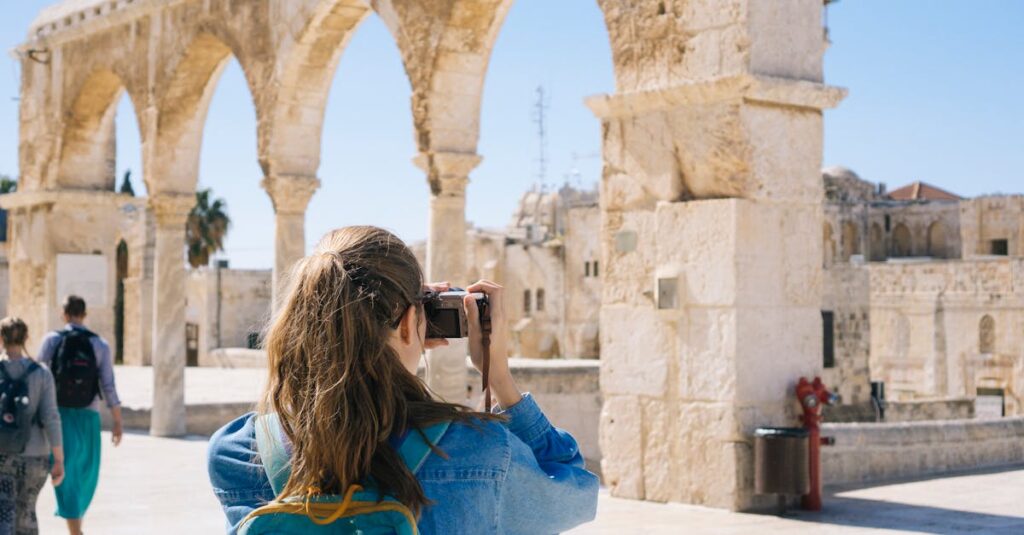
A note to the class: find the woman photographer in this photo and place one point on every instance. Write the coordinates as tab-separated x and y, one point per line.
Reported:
343	351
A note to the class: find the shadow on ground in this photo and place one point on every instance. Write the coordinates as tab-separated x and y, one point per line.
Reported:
847	506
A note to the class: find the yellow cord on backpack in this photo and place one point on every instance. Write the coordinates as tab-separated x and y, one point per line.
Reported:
342	507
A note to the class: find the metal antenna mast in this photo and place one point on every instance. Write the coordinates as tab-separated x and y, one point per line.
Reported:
539	110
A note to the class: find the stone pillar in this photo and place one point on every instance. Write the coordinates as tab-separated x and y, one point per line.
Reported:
711	243
448	175
290	195
171	212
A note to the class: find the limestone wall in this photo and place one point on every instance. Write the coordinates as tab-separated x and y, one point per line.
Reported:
997	217
244	306
945	329
877	452
846	293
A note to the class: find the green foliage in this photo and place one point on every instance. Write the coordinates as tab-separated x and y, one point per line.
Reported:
8	184
207	226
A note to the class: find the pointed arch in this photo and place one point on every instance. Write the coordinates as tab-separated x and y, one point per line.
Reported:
181	113
902	243
851	240
88	141
877	243
308	68
987	335
937	240
828	245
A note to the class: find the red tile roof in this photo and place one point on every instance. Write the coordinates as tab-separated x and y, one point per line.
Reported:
922	191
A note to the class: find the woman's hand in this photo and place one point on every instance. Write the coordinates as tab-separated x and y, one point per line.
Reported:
57	472
503	387
431	343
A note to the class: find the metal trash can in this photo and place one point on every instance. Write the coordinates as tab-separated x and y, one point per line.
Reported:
781	461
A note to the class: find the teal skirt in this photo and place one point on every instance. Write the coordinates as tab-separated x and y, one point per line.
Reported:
81	429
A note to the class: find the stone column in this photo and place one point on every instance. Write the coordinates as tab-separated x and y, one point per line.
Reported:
290	195
448	175
171	212
711	280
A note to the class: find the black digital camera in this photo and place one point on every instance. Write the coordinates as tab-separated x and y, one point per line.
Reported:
446	315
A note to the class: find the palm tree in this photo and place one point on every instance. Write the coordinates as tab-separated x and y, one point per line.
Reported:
206	228
7	184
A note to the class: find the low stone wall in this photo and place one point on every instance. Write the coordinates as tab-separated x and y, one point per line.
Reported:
866	452
200	419
903	411
930	409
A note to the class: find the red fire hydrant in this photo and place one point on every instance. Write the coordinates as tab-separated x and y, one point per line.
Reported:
812	395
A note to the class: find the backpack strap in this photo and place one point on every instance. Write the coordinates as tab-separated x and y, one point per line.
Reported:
277	460
415	450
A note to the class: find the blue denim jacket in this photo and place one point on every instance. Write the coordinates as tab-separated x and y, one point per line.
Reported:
523	476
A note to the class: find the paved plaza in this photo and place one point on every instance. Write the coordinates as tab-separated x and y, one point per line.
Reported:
158	486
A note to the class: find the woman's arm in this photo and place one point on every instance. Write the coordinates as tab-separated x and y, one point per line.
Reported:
546	488
106	368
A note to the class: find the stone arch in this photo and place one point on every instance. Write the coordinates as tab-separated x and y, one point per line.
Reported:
828	245
850	240
181	113
876	243
88	142
987	335
902	243
308	69
937	240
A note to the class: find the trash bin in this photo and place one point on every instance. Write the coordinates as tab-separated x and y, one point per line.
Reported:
781	461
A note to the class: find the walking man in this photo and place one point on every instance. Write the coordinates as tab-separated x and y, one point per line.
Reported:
84	373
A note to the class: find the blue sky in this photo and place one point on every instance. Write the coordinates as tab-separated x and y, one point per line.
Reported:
935	95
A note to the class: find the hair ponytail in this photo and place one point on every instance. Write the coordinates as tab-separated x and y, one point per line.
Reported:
339	389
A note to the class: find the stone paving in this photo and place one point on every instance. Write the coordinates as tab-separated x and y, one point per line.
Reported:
159	486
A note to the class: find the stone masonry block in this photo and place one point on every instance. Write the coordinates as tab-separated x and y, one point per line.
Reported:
707	345
621	439
629	240
637	348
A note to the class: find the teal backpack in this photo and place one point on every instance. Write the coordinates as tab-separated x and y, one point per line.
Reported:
357	512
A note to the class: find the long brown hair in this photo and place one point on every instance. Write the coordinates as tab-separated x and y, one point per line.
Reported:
340	391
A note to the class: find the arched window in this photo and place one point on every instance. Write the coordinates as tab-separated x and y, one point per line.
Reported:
851	240
901	241
937	240
877	243
987	335
828	245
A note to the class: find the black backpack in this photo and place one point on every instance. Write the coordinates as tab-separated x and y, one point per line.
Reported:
15	421
75	370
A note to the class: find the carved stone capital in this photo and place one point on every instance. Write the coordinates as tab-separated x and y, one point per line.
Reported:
447	172
290	194
171	209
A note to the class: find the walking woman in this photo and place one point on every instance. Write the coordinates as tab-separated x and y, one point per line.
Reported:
29	432
343	351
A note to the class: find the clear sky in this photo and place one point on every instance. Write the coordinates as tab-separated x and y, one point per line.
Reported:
935	95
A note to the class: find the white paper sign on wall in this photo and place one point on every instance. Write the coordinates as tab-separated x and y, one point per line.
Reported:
84	275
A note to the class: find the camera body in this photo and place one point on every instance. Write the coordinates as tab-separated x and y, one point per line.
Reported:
446	314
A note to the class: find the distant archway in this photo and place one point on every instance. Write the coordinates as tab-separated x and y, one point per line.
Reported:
122	274
851	240
937	240
987	335
828	245
876	243
902	243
